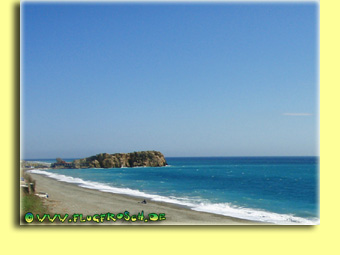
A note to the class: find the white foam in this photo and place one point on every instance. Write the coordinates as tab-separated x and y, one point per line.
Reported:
225	209
106	188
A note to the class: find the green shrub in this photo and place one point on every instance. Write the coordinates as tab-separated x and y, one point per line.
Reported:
32	203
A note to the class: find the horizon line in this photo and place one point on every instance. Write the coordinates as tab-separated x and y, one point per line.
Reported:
277	156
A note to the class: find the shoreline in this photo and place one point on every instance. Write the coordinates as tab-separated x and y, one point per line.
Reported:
68	198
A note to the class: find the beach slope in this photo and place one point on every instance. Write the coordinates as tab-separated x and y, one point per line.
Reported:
65	198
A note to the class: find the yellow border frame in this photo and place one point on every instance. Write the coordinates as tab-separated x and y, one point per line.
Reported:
169	240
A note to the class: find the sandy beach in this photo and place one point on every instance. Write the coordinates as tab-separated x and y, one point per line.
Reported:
65	198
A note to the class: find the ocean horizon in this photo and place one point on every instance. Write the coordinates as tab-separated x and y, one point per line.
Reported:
280	190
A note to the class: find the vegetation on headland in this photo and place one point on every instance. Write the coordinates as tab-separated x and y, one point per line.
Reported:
117	160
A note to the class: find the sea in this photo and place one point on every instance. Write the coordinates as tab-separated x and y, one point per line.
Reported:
279	190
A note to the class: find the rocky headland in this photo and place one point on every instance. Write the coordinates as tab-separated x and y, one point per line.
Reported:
117	160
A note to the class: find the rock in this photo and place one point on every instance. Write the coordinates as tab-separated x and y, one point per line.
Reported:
118	160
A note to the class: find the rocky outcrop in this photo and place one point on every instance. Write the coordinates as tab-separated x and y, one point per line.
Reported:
134	159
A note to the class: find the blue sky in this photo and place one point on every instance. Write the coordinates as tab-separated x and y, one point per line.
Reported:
184	79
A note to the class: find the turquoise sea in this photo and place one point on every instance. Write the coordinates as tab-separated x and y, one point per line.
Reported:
281	190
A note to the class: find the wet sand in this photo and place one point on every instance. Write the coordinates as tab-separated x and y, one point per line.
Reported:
65	198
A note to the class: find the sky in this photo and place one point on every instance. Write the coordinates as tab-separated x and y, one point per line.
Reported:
184	79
